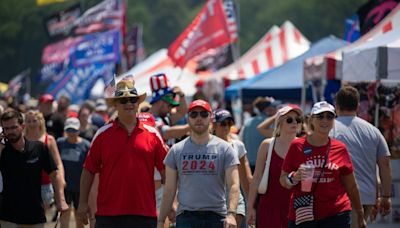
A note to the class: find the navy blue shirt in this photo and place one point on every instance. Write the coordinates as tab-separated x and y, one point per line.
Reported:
73	156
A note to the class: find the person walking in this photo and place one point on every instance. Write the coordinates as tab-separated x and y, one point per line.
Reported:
167	111
222	123
333	186
272	207
21	165
368	149
35	130
73	150
124	154
200	167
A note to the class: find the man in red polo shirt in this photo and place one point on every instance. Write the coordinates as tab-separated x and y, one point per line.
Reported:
124	154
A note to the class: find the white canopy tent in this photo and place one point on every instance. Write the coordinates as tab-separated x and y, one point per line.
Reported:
376	60
159	62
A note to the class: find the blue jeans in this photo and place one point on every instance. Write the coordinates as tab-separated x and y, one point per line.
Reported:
199	219
341	220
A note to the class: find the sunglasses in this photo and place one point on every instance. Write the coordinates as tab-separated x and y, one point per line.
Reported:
328	116
290	120
226	123
71	130
125	100
119	93
203	114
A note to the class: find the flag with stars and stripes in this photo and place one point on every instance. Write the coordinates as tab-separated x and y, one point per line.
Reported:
304	206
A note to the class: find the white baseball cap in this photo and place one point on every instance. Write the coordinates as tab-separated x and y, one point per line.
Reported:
72	123
322	106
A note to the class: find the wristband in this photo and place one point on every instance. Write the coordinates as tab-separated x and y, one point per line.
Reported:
289	179
231	212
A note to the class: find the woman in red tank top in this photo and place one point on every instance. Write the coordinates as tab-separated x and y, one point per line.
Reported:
36	130
273	206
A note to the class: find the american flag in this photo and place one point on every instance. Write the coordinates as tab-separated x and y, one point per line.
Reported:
303	206
110	88
230	12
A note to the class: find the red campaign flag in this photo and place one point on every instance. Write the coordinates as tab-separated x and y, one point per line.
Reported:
209	29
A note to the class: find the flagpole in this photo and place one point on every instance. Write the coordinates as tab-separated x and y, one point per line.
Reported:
28	82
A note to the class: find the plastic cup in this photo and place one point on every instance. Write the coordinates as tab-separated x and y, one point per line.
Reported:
307	177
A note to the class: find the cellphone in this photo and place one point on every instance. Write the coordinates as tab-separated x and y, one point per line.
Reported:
3	139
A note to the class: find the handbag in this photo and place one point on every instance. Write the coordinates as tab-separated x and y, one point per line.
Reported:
304	204
262	187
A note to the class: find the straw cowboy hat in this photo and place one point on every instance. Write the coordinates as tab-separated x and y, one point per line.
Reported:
125	88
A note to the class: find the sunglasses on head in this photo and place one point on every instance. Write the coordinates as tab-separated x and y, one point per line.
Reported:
290	120
124	100
119	93
194	114
327	115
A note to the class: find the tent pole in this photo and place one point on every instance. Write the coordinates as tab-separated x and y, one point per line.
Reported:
376	118
303	96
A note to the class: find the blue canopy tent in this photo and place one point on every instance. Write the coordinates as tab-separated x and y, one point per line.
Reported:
286	81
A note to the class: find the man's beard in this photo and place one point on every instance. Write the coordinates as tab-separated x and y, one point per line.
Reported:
197	130
15	138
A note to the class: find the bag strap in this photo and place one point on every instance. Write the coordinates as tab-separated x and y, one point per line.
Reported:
270	148
323	165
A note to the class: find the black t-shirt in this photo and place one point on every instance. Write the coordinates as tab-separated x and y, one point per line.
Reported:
22	200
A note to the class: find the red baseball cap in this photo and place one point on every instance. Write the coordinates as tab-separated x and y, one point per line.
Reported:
200	103
46	98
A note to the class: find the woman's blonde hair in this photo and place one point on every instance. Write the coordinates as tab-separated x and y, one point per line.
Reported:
40	117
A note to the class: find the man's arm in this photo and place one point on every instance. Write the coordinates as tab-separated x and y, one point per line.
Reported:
168	195
264	127
181	110
83	211
175	132
385	174
350	185
245	175
58	184
232	180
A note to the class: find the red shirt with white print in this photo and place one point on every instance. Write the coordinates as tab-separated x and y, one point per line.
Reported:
330	196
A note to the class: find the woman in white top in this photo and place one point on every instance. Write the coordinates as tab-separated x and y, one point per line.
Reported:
222	123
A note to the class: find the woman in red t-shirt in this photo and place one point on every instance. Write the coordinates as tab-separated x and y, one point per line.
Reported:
36	130
272	207
336	186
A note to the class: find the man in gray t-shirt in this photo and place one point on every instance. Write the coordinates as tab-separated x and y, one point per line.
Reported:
367	148
200	167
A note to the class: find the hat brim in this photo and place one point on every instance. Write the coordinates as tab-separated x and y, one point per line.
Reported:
324	110
156	97
170	100
111	100
222	119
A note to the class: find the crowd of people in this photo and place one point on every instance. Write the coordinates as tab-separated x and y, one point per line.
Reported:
123	162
